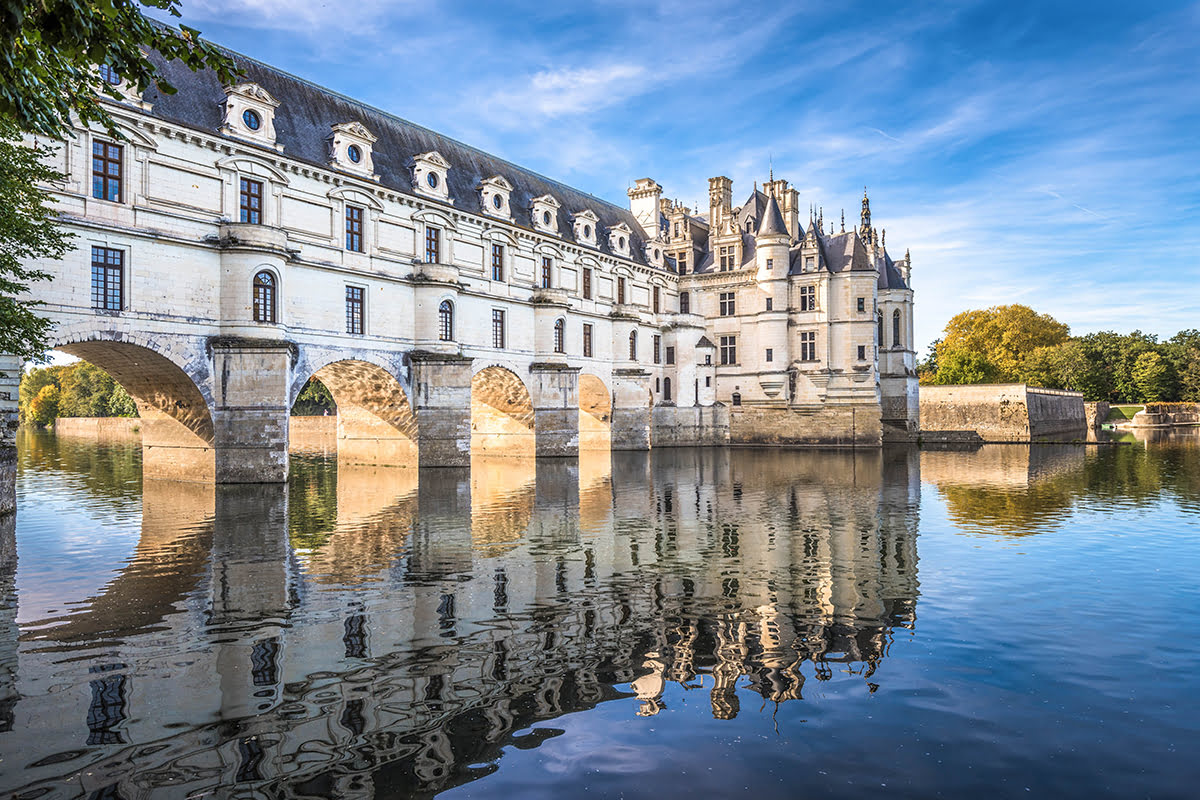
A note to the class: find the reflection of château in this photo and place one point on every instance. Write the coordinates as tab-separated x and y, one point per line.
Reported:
430	623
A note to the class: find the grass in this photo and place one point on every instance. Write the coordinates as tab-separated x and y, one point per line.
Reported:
1121	413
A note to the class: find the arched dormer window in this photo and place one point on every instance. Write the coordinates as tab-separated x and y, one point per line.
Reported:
560	336
264	297
446	321
896	329
633	345
685	303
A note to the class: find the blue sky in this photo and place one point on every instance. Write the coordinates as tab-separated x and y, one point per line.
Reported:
1035	152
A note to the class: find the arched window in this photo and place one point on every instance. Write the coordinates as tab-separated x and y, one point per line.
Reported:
560	336
879	335
633	346
685	303
896	329
667	389
446	321
264	297
737	399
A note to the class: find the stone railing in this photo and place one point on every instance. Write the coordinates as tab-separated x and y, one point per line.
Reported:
554	297
435	273
625	311
259	237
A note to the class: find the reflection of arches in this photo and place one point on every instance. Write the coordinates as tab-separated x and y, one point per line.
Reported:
375	421
595	413
176	426
501	413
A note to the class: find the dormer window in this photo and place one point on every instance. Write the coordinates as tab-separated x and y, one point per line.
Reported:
585	227
110	75
654	254
493	196
544	213
350	148
250	114
618	239
429	176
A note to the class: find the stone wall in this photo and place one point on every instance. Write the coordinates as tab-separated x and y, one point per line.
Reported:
10	379
98	427
1096	413
689	426
1010	412
1159	414
824	426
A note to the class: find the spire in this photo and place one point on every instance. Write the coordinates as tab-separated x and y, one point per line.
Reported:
843	220
772	222
821	216
866	211
883	239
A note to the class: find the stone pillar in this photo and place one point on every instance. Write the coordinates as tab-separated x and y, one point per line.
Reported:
442	405
250	415
10	380
554	390
631	409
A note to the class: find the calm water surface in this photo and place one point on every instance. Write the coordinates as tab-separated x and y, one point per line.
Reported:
1011	622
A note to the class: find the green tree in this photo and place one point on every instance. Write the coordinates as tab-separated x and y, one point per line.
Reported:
50	49
1153	377
1044	367
120	404
1001	336
960	366
44	408
1183	349
314	400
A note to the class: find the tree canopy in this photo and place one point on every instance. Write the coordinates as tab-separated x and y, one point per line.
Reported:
991	346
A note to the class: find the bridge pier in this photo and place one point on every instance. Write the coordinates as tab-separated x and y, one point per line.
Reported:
442	405
631	409
10	379
554	390
250	409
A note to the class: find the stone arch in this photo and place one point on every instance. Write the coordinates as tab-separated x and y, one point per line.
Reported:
375	421
595	413
174	400
501	412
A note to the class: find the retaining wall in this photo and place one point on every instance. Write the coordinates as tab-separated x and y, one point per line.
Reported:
1010	412
823	426
689	425
1163	414
98	427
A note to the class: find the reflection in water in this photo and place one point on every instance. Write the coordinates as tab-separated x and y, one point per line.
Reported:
368	631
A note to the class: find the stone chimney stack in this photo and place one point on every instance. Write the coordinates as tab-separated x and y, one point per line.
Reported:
720	201
644	201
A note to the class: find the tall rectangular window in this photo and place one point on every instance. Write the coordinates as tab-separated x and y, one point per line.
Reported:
808	298
108	270
587	340
433	244
862	352
107	177
656	301
497	262
770	355
862	304
808	346
727	306
354	228
250	201
670	355
657	346
681	262
770	304
547	272
587	283
770	263
728	349
498	328
620	290
355	310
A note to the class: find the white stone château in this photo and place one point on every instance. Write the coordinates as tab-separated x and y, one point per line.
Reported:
241	239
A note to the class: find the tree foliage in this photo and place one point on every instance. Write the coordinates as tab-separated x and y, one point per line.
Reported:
991	345
314	400
80	390
49	51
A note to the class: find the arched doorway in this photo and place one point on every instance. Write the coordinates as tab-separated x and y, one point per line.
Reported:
501	414
595	414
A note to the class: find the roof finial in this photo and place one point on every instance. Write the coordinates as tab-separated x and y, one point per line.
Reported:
866	211
883	238
821	217
843	220
771	161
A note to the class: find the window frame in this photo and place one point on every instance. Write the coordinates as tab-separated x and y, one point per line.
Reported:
633	345
655	299
269	302
808	346
621	290
104	291
248	213
670	355
808	298
656	348
446	321
727	350
356	310
497	261
547	281
499	329
113	155
587	283
433	244
587	340
560	335
685	302
354	217
727	304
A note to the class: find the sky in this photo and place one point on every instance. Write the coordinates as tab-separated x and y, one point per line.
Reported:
1045	153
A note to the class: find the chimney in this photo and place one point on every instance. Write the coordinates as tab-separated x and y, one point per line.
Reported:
644	201
720	200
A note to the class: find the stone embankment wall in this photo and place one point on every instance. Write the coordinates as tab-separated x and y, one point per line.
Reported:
1011	412
98	427
1161	414
824	426
1096	413
688	426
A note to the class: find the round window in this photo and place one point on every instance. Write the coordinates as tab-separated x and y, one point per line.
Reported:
353	153
432	179
587	231
252	120
545	217
498	201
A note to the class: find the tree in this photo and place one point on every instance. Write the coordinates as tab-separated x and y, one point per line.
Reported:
49	56
1183	350
1153	377
1001	337
28	230
49	52
44	408
314	400
960	366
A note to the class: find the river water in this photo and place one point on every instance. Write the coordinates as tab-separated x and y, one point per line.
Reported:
1010	622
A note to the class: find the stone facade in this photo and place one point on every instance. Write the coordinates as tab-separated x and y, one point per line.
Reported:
266	233
10	379
1011	412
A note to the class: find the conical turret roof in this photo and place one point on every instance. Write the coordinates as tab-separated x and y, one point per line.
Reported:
772	220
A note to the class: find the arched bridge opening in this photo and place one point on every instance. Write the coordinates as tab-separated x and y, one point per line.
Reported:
595	414
375	422
502	416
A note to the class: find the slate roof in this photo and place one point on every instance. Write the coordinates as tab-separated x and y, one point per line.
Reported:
889	276
302	126
772	220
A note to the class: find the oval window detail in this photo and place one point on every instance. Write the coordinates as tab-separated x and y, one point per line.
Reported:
497	201
545	217
252	120
354	153
432	180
